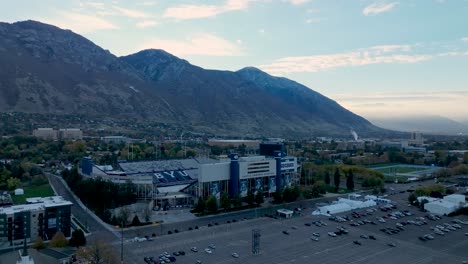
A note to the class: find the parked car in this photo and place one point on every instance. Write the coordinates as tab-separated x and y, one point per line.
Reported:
235	255
357	242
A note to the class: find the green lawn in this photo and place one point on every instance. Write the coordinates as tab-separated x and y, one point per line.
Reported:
33	191
400	169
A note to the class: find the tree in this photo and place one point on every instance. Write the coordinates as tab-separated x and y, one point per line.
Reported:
350	181
13	183
336	179
136	221
58	240
39	243
225	201
277	197
124	214
259	197
327	178
97	253
77	239
412	198
237	201
147	214
200	208
211	204
250	199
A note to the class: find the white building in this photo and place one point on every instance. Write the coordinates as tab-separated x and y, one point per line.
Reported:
45	133
70	133
445	206
343	205
440	207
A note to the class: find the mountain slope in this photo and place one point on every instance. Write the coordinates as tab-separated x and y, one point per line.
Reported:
47	70
44	69
248	100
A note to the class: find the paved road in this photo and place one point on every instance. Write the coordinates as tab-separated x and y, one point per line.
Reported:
97	229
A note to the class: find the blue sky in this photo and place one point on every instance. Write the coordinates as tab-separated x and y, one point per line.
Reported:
375	57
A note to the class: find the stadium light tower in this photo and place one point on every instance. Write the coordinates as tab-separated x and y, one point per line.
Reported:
185	150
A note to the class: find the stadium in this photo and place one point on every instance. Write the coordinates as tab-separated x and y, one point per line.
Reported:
181	182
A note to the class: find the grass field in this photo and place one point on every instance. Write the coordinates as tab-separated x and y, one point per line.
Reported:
400	169
33	191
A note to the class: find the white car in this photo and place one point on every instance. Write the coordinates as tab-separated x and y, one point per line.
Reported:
235	255
332	234
207	250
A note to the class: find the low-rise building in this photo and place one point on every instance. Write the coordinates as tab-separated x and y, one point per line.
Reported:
46	133
40	217
70	134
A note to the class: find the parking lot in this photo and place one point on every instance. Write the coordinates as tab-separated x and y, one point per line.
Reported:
296	246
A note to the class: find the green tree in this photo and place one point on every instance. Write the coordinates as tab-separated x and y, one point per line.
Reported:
77	239
237	201
250	199
336	179
327	178
277	197
350	181
259	197
225	201
200	208
211	204
412	198
13	183
124	214
136	221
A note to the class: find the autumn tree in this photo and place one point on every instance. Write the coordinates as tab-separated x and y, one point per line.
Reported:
97	253
58	240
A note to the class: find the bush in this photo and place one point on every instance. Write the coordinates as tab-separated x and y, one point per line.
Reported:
77	239
39	243
59	240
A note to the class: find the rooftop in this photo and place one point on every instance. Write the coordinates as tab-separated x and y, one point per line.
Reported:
36	203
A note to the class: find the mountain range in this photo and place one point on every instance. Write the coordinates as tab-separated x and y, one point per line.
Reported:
48	70
426	124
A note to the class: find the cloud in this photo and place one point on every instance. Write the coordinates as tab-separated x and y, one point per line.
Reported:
130	12
147	24
378	7
200	44
147	3
373	55
80	23
464	39
298	2
313	20
97	5
202	11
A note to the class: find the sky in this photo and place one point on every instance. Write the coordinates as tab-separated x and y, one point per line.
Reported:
378	58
